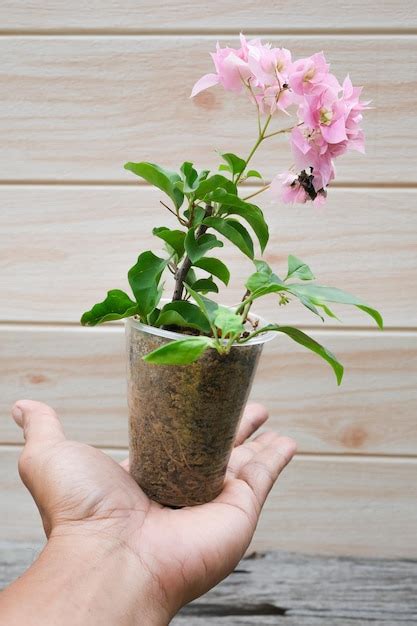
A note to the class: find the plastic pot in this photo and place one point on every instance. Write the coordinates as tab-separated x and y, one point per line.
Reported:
183	419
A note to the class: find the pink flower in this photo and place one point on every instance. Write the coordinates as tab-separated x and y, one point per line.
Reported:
231	71
263	70
330	127
292	189
310	150
325	112
269	66
354	108
311	75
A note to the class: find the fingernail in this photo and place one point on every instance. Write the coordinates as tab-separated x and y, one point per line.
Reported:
17	415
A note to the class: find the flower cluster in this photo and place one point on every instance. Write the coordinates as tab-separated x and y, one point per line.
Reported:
328	113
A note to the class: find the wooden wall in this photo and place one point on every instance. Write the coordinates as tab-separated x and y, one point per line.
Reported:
87	86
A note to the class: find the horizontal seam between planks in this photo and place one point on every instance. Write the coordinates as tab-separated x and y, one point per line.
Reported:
207	33
403	459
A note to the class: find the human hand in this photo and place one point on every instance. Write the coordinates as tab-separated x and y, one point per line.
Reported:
87	500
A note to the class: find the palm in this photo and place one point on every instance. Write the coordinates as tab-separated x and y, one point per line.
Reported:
82	490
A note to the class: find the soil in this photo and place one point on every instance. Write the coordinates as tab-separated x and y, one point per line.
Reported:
183	419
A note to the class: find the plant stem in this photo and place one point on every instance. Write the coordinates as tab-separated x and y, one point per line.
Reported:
261	137
265	329
283	130
182	271
252	195
177	215
247	300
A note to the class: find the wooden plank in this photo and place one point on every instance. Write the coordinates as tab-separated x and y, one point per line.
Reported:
285	588
184	16
78	108
322	505
62	248
81	372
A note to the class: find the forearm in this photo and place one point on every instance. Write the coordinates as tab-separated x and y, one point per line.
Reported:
78	583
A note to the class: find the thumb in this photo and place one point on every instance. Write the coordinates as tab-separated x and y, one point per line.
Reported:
39	422
41	429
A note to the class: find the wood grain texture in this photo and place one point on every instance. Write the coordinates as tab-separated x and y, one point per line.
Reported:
63	247
285	588
81	372
78	108
184	15
321	505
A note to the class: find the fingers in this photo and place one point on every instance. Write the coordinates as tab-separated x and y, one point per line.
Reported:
254	416
243	454
39	423
254	467
266	464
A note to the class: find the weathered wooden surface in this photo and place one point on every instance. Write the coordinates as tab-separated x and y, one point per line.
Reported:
288	589
77	109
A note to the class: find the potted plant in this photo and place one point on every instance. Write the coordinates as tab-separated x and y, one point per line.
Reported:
191	361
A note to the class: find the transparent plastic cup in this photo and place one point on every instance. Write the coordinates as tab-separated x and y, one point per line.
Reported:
183	419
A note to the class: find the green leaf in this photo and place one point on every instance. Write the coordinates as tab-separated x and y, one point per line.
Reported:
215	267
236	164
202	176
116	306
225	168
229	323
189	176
191	277
197	248
253	174
159	177
199	214
311	305
298	269
262	266
321	295
174	238
234	232
232	205
213	182
152	317
268	289
263	277
205	285
184	315
376	315
310	343
144	279
207	306
328	311
180	352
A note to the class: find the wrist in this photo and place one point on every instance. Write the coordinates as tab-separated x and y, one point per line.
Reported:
87	579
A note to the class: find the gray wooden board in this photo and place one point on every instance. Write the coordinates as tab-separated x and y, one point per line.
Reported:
288	589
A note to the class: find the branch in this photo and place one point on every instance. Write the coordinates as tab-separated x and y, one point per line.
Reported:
186	265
